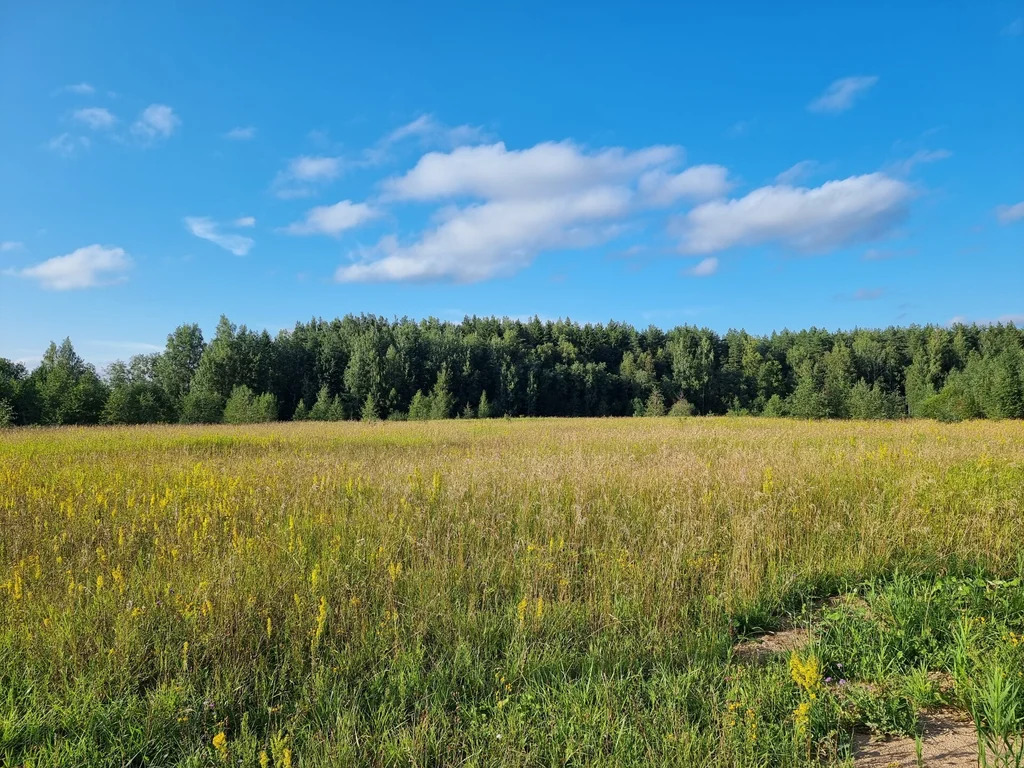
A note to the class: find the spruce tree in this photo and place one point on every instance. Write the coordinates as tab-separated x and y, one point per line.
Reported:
441	400
369	412
483	410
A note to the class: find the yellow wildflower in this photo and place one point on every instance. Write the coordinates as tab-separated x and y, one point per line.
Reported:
220	743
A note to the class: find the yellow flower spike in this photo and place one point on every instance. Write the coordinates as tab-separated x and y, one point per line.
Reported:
220	743
270	627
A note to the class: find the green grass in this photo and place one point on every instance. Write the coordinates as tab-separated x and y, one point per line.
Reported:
512	593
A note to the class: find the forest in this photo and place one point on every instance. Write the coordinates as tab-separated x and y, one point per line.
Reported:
368	367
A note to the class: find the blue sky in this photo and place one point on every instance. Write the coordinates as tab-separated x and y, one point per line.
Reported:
838	164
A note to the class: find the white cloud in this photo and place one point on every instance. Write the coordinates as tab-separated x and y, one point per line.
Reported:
739	128
1010	213
554	195
67	145
835	214
97	118
885	254
308	168
242	133
10	245
500	237
921	157
333	219
701	182
157	121
868	294
1015	318
1015	28
82	89
429	130
245	221
86	267
797	172
546	169
705	267
302	173
842	93
208	229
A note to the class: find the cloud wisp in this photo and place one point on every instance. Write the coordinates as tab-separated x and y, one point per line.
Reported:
207	229
241	133
304	174
157	121
333	219
841	94
96	118
1007	214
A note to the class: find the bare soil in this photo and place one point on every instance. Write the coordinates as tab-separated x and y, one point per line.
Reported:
783	641
948	741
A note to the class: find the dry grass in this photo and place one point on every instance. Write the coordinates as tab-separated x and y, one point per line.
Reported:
514	592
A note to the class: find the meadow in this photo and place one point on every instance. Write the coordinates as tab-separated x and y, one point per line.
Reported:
506	592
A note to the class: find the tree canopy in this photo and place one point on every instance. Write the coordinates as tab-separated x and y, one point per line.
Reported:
368	367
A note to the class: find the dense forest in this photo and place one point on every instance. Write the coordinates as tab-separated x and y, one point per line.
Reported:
368	368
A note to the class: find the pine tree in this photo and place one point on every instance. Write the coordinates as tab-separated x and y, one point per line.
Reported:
301	411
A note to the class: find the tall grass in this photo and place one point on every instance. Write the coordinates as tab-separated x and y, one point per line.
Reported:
529	592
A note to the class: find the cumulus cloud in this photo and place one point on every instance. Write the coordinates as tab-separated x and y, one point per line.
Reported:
842	94
701	182
704	268
157	121
207	229
499	237
87	267
550	168
1008	214
67	145
333	219
836	214
503	207
97	118
242	133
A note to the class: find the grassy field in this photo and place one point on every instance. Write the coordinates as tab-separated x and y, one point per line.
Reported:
492	593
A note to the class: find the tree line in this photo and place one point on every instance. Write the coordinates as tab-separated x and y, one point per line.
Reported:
368	367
